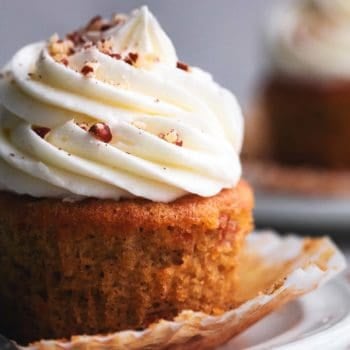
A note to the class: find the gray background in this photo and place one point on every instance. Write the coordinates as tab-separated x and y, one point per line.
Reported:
222	36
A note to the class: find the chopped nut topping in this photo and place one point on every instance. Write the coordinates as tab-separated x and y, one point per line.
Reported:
117	56
76	37
88	44
128	60
105	46
183	66
84	126
86	70
118	19
64	61
172	137
71	51
105	27
60	49
89	68
133	56
94	24
41	131
102	132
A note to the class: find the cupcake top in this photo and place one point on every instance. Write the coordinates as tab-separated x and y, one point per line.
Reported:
311	39
110	112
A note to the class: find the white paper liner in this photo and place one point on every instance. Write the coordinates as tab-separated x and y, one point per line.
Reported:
274	270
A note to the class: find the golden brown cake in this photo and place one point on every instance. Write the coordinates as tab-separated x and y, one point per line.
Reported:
100	266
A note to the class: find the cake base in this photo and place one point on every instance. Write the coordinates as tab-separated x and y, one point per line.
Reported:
268	280
100	266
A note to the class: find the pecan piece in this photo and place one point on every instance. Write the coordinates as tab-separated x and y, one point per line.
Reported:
101	132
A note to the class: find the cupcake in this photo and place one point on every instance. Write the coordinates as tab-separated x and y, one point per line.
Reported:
121	197
304	106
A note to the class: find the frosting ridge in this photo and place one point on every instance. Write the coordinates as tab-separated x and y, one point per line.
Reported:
174	130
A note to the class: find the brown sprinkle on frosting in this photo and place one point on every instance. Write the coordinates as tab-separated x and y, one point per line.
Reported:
172	137
86	70
105	27
105	46
117	56
102	132
76	37
119	18
41	131
84	126
60	49
64	61
133	56
89	68
94	23
82	39
183	66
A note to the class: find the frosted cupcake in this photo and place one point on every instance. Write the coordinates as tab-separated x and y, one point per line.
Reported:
304	109
121	196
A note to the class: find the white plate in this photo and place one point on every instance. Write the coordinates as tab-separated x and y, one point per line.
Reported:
296	212
320	320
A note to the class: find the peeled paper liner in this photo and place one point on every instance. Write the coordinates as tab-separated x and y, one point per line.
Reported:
273	270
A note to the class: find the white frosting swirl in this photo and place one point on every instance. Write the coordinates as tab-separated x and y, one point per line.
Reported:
311	39
138	103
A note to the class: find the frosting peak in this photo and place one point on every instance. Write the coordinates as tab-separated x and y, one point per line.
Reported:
143	35
108	112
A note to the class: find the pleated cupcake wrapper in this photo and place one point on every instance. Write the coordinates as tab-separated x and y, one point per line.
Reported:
273	271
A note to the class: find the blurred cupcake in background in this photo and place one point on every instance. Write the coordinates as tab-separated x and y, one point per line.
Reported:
300	126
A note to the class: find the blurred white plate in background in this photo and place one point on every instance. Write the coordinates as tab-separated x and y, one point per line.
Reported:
320	320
